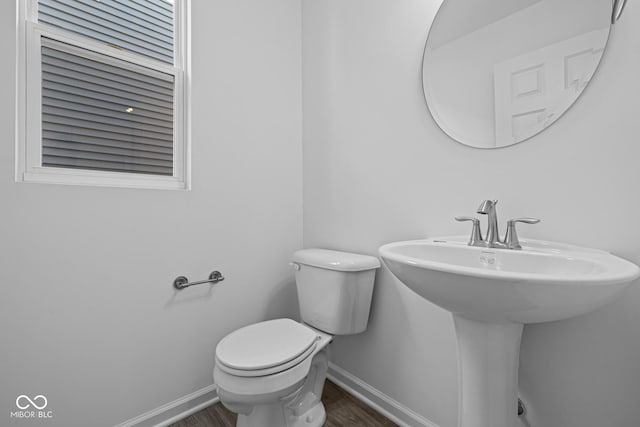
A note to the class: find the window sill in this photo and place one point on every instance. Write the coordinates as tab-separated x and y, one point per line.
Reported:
102	179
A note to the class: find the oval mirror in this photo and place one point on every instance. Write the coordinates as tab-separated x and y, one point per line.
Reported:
497	72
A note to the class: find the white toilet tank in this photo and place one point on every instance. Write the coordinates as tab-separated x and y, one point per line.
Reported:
334	289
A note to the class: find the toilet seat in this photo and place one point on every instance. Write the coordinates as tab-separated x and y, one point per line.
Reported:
265	348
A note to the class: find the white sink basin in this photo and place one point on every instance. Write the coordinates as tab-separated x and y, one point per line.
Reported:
542	282
491	294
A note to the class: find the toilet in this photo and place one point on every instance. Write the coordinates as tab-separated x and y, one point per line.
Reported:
272	373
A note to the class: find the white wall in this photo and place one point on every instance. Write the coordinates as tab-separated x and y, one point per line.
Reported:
378	169
88	316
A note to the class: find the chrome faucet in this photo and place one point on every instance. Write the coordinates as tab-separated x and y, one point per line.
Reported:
492	239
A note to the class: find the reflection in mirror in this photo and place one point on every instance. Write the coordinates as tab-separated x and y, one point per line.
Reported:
496	72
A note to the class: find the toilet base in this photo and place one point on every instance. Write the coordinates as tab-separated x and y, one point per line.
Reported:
314	417
302	408
274	415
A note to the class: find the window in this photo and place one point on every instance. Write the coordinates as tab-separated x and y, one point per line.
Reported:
102	93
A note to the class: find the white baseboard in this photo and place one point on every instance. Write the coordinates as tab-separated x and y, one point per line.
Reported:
374	398
174	411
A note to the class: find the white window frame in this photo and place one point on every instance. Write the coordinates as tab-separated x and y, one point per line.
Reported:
29	103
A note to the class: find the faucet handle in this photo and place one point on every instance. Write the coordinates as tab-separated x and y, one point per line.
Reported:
476	236
511	238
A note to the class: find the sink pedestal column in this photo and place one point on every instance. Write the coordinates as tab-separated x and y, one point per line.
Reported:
488	356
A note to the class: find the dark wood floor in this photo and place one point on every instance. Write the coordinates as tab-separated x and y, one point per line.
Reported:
343	410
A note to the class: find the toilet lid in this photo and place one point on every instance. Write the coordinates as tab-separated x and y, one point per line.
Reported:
265	345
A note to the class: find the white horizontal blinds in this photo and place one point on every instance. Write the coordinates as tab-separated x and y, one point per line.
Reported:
101	113
144	27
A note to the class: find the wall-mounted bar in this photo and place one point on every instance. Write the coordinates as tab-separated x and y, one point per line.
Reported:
182	282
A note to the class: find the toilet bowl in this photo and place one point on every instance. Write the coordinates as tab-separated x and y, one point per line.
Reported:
283	380
272	373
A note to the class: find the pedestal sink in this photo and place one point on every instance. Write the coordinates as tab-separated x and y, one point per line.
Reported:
492	293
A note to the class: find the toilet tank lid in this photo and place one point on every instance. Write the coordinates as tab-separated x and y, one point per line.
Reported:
335	260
